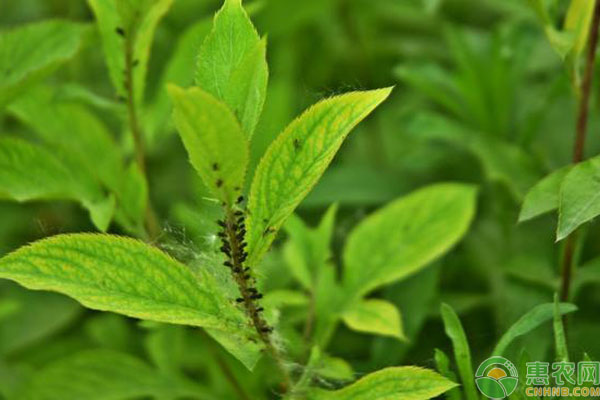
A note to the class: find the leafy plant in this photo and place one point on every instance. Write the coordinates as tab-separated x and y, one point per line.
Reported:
222	292
192	210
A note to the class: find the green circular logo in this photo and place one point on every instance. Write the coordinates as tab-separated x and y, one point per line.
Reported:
497	378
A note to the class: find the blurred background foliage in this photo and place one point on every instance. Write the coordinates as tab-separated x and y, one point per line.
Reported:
481	97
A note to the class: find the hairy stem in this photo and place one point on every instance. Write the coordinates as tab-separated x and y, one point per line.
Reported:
151	223
581	130
232	236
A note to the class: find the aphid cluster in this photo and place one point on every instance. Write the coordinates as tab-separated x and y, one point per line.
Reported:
233	245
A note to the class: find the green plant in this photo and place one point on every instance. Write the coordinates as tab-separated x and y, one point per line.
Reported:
225	290
571	189
524	325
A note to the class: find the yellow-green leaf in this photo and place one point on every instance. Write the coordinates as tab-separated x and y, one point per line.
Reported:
577	21
122	275
378	317
217	147
406	383
404	236
295	161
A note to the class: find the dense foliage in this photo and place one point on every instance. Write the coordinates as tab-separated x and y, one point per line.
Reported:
326	199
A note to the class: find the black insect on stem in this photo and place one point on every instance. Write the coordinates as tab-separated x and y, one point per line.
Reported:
232	234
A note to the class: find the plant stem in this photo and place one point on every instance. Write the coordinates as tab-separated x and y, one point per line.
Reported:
233	246
582	119
151	223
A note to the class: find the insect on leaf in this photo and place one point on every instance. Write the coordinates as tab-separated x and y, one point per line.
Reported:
128	26
217	147
121	275
295	161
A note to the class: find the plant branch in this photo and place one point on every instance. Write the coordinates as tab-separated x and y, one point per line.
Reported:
581	130
232	236
151	223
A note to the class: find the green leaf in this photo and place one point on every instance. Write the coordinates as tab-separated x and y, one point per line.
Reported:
295	161
283	297
442	363
587	274
560	340
138	20
462	354
132	200
378	317
406	383
29	52
232	64
334	368
579	195
217	147
307	252
101	375
500	160
406	235
530	321
435	82
562	42
540	9
30	172
544	196
88	142
112	331
247	88
180	71
577	20
38	316
122	275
